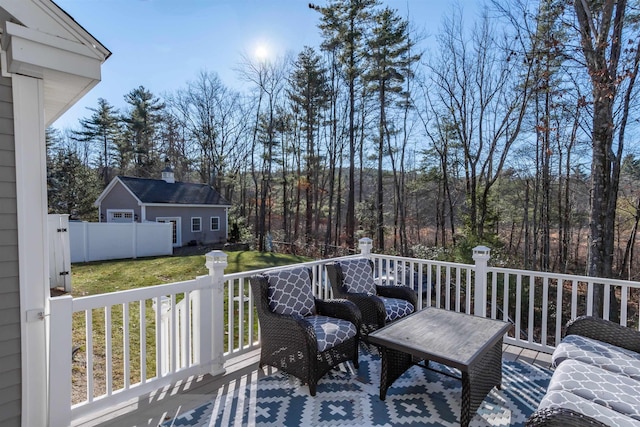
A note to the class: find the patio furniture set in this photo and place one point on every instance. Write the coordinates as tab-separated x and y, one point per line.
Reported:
598	362
305	337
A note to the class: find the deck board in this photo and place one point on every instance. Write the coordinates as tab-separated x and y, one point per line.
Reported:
161	405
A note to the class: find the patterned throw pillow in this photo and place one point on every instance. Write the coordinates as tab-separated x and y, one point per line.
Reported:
290	292
358	276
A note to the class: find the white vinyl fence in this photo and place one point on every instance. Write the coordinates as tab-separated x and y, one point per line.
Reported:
95	241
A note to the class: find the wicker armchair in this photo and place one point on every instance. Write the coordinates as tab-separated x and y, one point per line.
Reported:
352	279
595	358
302	335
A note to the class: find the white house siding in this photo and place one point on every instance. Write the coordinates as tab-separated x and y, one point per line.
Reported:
10	355
186	213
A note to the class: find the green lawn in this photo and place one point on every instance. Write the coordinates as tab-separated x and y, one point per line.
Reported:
118	275
110	276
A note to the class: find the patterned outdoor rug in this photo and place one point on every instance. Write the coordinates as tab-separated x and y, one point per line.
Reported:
346	397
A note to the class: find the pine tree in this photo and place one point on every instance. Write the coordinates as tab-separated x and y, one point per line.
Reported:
102	128
387	58
142	124
309	94
344	24
72	186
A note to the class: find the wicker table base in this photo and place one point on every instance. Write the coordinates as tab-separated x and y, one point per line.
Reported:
468	343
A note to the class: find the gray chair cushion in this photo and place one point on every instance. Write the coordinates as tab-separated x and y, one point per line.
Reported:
598	353
616	392
567	400
396	308
290	292
331	331
358	276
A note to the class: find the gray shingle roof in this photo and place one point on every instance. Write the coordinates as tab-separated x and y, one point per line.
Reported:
183	193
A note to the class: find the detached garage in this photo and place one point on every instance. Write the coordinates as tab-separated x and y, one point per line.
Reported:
198	213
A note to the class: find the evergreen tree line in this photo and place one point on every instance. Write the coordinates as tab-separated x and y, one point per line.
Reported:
510	131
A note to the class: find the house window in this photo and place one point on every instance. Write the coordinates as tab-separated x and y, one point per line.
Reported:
215	223
196	224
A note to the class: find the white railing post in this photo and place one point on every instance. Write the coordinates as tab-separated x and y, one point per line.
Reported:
60	359
481	255
365	244
165	328
216	263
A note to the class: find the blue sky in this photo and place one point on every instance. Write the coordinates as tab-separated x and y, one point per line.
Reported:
163	44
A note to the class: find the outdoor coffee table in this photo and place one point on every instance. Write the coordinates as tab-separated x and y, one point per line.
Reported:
468	343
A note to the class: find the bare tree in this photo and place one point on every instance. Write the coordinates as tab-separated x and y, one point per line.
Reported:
268	78
486	96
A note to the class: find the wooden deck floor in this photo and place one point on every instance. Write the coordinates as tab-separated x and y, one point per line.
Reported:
161	405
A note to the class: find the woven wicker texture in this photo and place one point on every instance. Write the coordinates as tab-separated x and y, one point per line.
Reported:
372	307
290	344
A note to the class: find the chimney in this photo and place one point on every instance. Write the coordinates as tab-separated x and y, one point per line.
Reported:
167	173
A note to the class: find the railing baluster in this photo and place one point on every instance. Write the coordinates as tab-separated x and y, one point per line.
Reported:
172	340
574	299
430	285
530	319
518	306
143	340
108	354
590	285
241	312
447	288
545	310
458	273
159	343
125	345
624	300
559	305
505	299
468	293
607	301
418	285
494	294
230	318
186	341
438	286
89	353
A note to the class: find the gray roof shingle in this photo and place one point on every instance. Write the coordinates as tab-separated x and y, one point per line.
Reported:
182	193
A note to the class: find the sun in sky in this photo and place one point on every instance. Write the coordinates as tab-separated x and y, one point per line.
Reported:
261	51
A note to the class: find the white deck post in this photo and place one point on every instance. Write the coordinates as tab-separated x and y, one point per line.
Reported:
481	255
60	358
216	263
365	244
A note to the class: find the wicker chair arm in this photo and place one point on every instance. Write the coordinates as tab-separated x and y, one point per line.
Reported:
341	309
296	332
371	308
561	417
606	331
400	292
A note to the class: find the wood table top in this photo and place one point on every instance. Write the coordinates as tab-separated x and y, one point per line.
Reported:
455	339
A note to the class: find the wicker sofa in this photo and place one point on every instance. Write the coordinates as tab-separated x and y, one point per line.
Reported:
597	377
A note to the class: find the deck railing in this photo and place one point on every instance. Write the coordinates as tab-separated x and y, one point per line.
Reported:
126	344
